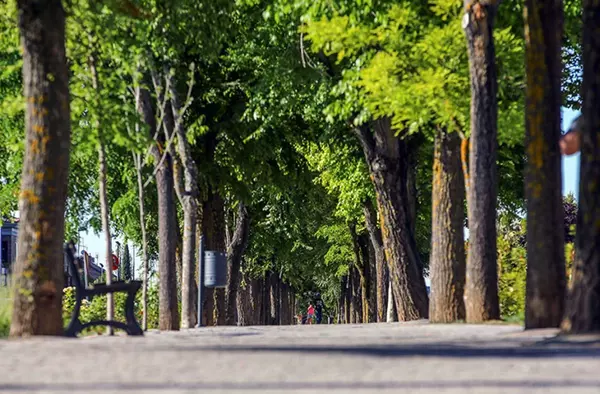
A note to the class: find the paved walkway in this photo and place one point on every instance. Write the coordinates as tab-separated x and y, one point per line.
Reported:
395	358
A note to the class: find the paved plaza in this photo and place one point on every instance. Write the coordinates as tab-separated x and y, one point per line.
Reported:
396	358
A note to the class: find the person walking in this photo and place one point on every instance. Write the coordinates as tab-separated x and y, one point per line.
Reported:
310	313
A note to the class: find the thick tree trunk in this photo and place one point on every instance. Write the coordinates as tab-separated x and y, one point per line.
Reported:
583	303
481	291
380	264
387	158
546	277
235	251
168	308
447	245
38	273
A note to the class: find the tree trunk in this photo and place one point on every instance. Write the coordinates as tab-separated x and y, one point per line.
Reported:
546	277
244	303
368	282
447	244
273	299
167	231
387	158
284	306
342	301
348	297
144	108
138	165
235	251
256	299
38	273
168	308
380	263
356	308
190	209
102	173
359	293
583	303
481	291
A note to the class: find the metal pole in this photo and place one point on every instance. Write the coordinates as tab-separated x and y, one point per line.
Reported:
133	262
85	269
200	279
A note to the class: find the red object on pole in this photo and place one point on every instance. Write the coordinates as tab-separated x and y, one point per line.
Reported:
115	262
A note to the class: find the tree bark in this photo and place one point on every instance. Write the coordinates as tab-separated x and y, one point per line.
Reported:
168	308
256	299
583	303
38	273
167	231
447	244
387	159
190	208
546	276
348	297
235	251
244	303
380	264
481	291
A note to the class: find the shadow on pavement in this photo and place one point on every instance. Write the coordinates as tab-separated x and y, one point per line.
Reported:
421	350
281	386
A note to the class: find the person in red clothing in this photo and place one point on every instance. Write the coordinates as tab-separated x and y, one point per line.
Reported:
310	313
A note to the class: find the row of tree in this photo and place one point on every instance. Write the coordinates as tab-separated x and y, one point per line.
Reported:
329	146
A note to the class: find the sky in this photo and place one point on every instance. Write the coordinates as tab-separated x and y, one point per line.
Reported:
94	243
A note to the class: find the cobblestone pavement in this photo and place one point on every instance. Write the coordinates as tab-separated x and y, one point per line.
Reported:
396	358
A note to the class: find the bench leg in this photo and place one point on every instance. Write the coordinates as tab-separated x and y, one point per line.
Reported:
132	324
75	325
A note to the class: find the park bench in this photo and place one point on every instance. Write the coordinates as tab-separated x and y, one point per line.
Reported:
81	292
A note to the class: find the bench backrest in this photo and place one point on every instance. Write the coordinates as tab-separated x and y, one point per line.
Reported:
70	256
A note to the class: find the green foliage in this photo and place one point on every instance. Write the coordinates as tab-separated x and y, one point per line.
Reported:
5	311
512	266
